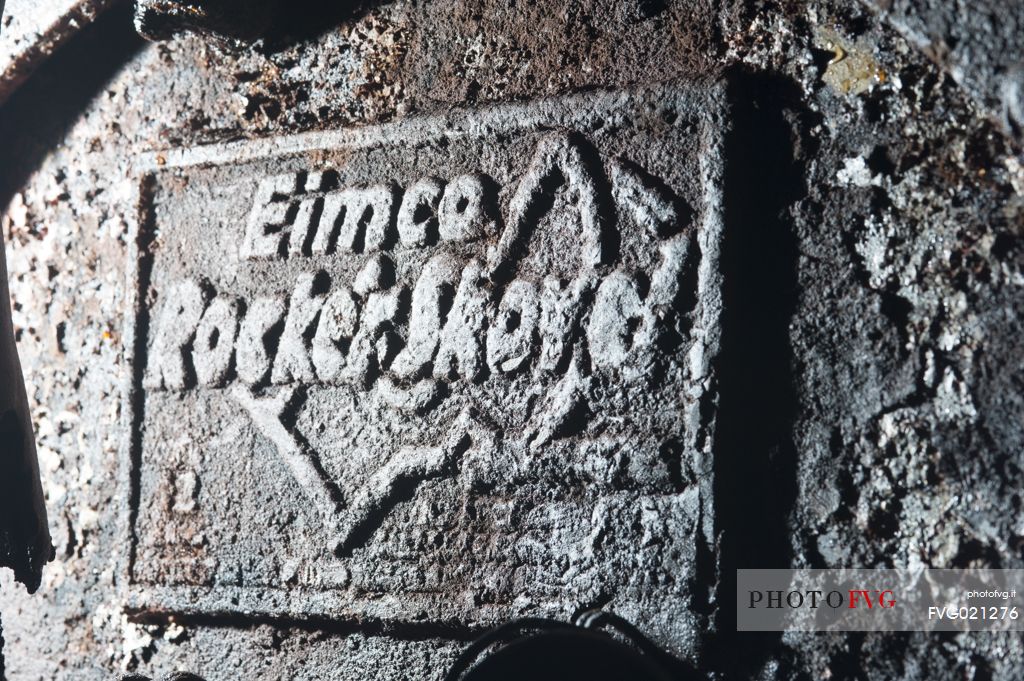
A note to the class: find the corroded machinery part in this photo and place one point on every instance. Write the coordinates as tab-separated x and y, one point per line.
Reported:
24	535
356	342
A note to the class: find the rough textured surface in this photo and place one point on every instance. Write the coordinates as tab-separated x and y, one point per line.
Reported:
24	535
977	43
33	29
233	19
867	394
507	416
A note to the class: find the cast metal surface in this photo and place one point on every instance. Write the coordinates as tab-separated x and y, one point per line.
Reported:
33	29
24	536
298	416
449	332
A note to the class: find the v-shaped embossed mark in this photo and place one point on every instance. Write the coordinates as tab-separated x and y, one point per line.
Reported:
271	417
352	519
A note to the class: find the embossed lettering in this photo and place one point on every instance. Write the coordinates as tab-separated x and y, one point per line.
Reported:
460	350
430	301
623	322
618	313
252	355
170	365
356	220
269	216
561	306
417	218
292	362
306	217
215	341
370	347
510	340
338	321
467	210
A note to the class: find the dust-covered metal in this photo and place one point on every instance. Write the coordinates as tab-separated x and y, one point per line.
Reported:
482	330
34	30
292	316
24	535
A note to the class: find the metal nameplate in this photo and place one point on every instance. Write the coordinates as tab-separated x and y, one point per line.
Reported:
450	370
